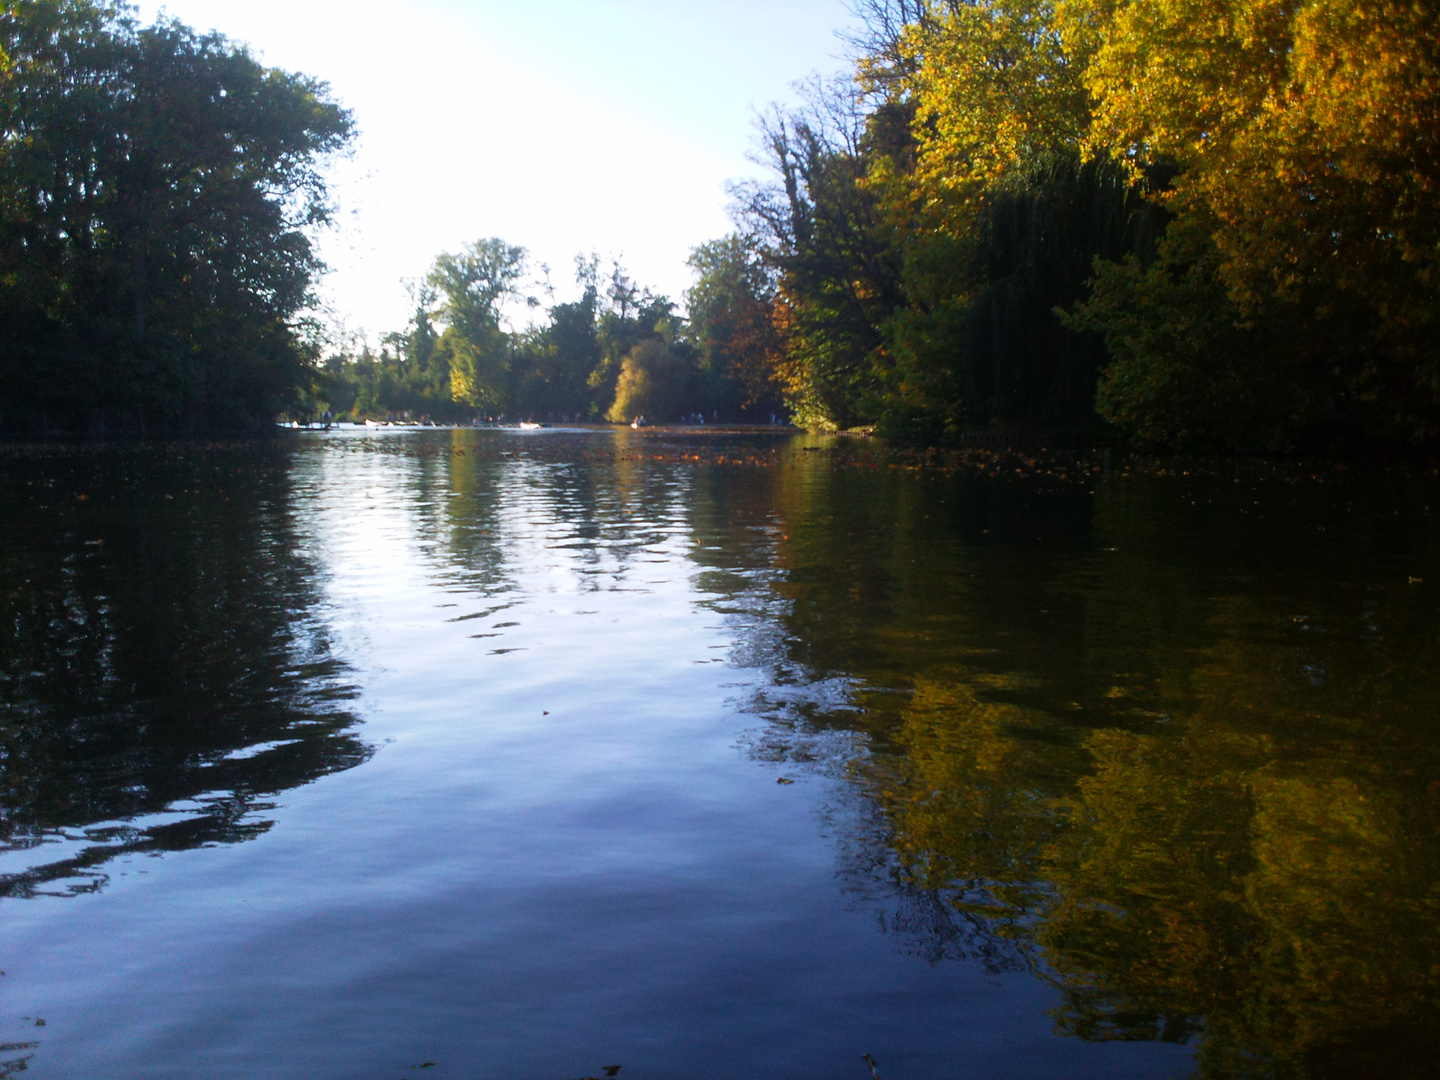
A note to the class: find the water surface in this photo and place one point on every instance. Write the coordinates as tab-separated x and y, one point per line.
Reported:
524	754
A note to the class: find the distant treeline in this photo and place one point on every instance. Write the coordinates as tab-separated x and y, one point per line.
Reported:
618	352
1212	225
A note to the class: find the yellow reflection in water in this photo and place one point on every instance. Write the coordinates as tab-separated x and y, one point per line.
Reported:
1203	801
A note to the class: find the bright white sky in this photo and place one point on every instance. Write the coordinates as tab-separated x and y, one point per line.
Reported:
559	125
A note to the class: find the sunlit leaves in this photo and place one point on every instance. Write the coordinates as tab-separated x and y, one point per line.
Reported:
473	285
1304	135
1288	144
994	88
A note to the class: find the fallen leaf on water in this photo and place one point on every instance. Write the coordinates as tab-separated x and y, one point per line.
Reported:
784	780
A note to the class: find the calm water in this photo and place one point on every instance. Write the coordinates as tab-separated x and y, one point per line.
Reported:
525	754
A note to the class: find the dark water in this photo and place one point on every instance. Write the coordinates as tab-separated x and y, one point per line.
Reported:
528	754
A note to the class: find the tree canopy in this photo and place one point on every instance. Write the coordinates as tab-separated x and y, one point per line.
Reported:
158	193
1307	227
1213	224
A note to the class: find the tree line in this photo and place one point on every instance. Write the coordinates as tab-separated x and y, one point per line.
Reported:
160	191
1209	225
617	352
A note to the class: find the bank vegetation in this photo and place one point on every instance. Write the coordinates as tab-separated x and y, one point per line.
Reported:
1212	226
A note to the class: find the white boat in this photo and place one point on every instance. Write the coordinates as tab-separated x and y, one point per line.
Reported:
373	423
530	425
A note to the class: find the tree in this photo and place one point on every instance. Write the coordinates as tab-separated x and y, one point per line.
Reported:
473	285
559	357
732	318
632	316
1306	207
158	189
422	337
929	220
657	380
822	232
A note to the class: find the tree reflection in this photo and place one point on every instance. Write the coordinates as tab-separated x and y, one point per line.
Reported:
1182	764
483	494
165	664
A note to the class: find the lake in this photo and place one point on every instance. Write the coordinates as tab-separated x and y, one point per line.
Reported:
487	753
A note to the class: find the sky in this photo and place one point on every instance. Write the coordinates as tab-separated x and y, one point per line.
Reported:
563	126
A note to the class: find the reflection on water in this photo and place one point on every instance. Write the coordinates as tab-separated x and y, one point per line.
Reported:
164	669
1175	754
1163	746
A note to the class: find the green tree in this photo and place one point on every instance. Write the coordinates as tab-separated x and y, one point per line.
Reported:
559	356
732	321
473	285
158	189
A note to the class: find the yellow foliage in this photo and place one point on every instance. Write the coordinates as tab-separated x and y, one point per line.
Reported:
462	385
655	382
994	87
1306	129
633	390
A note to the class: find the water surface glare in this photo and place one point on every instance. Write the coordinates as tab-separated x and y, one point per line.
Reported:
517	755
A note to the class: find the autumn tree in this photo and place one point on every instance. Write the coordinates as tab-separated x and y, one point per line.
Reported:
1306	245
657	380
838	272
732	319
927	221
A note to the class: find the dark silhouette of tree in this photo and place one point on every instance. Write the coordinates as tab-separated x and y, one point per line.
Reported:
158	190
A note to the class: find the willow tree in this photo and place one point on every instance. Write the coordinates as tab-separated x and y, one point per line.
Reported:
657	380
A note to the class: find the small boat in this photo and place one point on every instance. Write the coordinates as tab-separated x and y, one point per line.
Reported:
530	425
373	423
